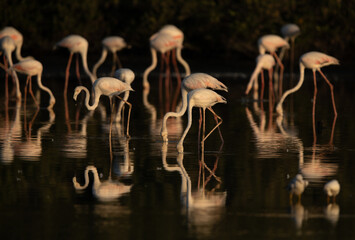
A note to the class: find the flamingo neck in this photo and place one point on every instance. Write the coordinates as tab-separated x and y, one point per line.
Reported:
85	66
292	90
150	68
87	99
176	114
77	186
52	98
18	52
254	78
181	141
99	62
183	62
97	181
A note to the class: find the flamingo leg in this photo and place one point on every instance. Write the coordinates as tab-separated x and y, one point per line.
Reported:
271	87
219	123
331	90
26	86
178	86
314	108
129	114
77	68
114	61
112	104
67	73
6	80
281	72
199	129
31	92
262	86
216	119
167	81
162	61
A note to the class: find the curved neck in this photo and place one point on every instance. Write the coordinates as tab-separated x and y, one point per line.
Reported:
150	68
85	66
14	75
77	186
52	98
188	124
97	182
182	61
292	90
120	106
253	78
99	62
18	52
87	99
176	114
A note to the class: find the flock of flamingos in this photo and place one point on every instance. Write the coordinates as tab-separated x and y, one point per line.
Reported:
197	89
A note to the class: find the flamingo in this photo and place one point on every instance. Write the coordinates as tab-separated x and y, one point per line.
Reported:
104	191
75	44
7	45
18	39
32	67
169	37
297	186
315	61
203	98
289	31
332	189
263	61
107	86
191	82
270	43
110	44
126	75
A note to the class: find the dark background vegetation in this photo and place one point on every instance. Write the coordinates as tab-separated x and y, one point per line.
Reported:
225	29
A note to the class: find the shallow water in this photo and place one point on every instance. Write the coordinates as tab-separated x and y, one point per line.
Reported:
238	190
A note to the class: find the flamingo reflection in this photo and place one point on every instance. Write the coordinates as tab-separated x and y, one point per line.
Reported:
204	205
332	212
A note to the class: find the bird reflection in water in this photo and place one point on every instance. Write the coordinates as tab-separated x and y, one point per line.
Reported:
299	214
110	189
205	205
332	212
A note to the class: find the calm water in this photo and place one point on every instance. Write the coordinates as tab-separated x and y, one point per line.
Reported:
237	191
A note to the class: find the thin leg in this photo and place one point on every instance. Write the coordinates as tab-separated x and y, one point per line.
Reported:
67	74
271	87
167	82
216	119
199	130
77	69
203	129
314	108
111	120
162	63
6	81
219	123
129	115
262	86
114	61
177	91
281	72
33	96
331	90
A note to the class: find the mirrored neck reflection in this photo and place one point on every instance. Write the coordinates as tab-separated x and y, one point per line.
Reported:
205	204
110	189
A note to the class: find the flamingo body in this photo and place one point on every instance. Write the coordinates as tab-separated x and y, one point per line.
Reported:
270	43
290	31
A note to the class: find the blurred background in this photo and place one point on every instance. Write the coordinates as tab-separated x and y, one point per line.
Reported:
223	29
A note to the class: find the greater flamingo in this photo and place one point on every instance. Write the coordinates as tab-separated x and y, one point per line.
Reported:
169	37
270	43
7	46
110	44
289	31
314	61
332	189
191	82
203	98
107	86
75	44
263	61
18	39
31	68
297	186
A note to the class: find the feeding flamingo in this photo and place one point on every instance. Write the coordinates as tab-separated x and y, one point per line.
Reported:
31	68
332	189
75	44
110	44
314	61
297	186
107	86
191	82
263	61
18	40
203	98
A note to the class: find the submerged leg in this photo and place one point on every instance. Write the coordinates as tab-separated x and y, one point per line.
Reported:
67	74
314	108
219	123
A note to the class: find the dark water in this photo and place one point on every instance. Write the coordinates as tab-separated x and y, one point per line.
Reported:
237	191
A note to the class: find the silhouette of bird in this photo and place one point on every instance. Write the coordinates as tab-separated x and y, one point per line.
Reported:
191	82
32	67
75	44
110	44
331	189
203	98
18	39
314	61
263	61
289	31
297	186
107	86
